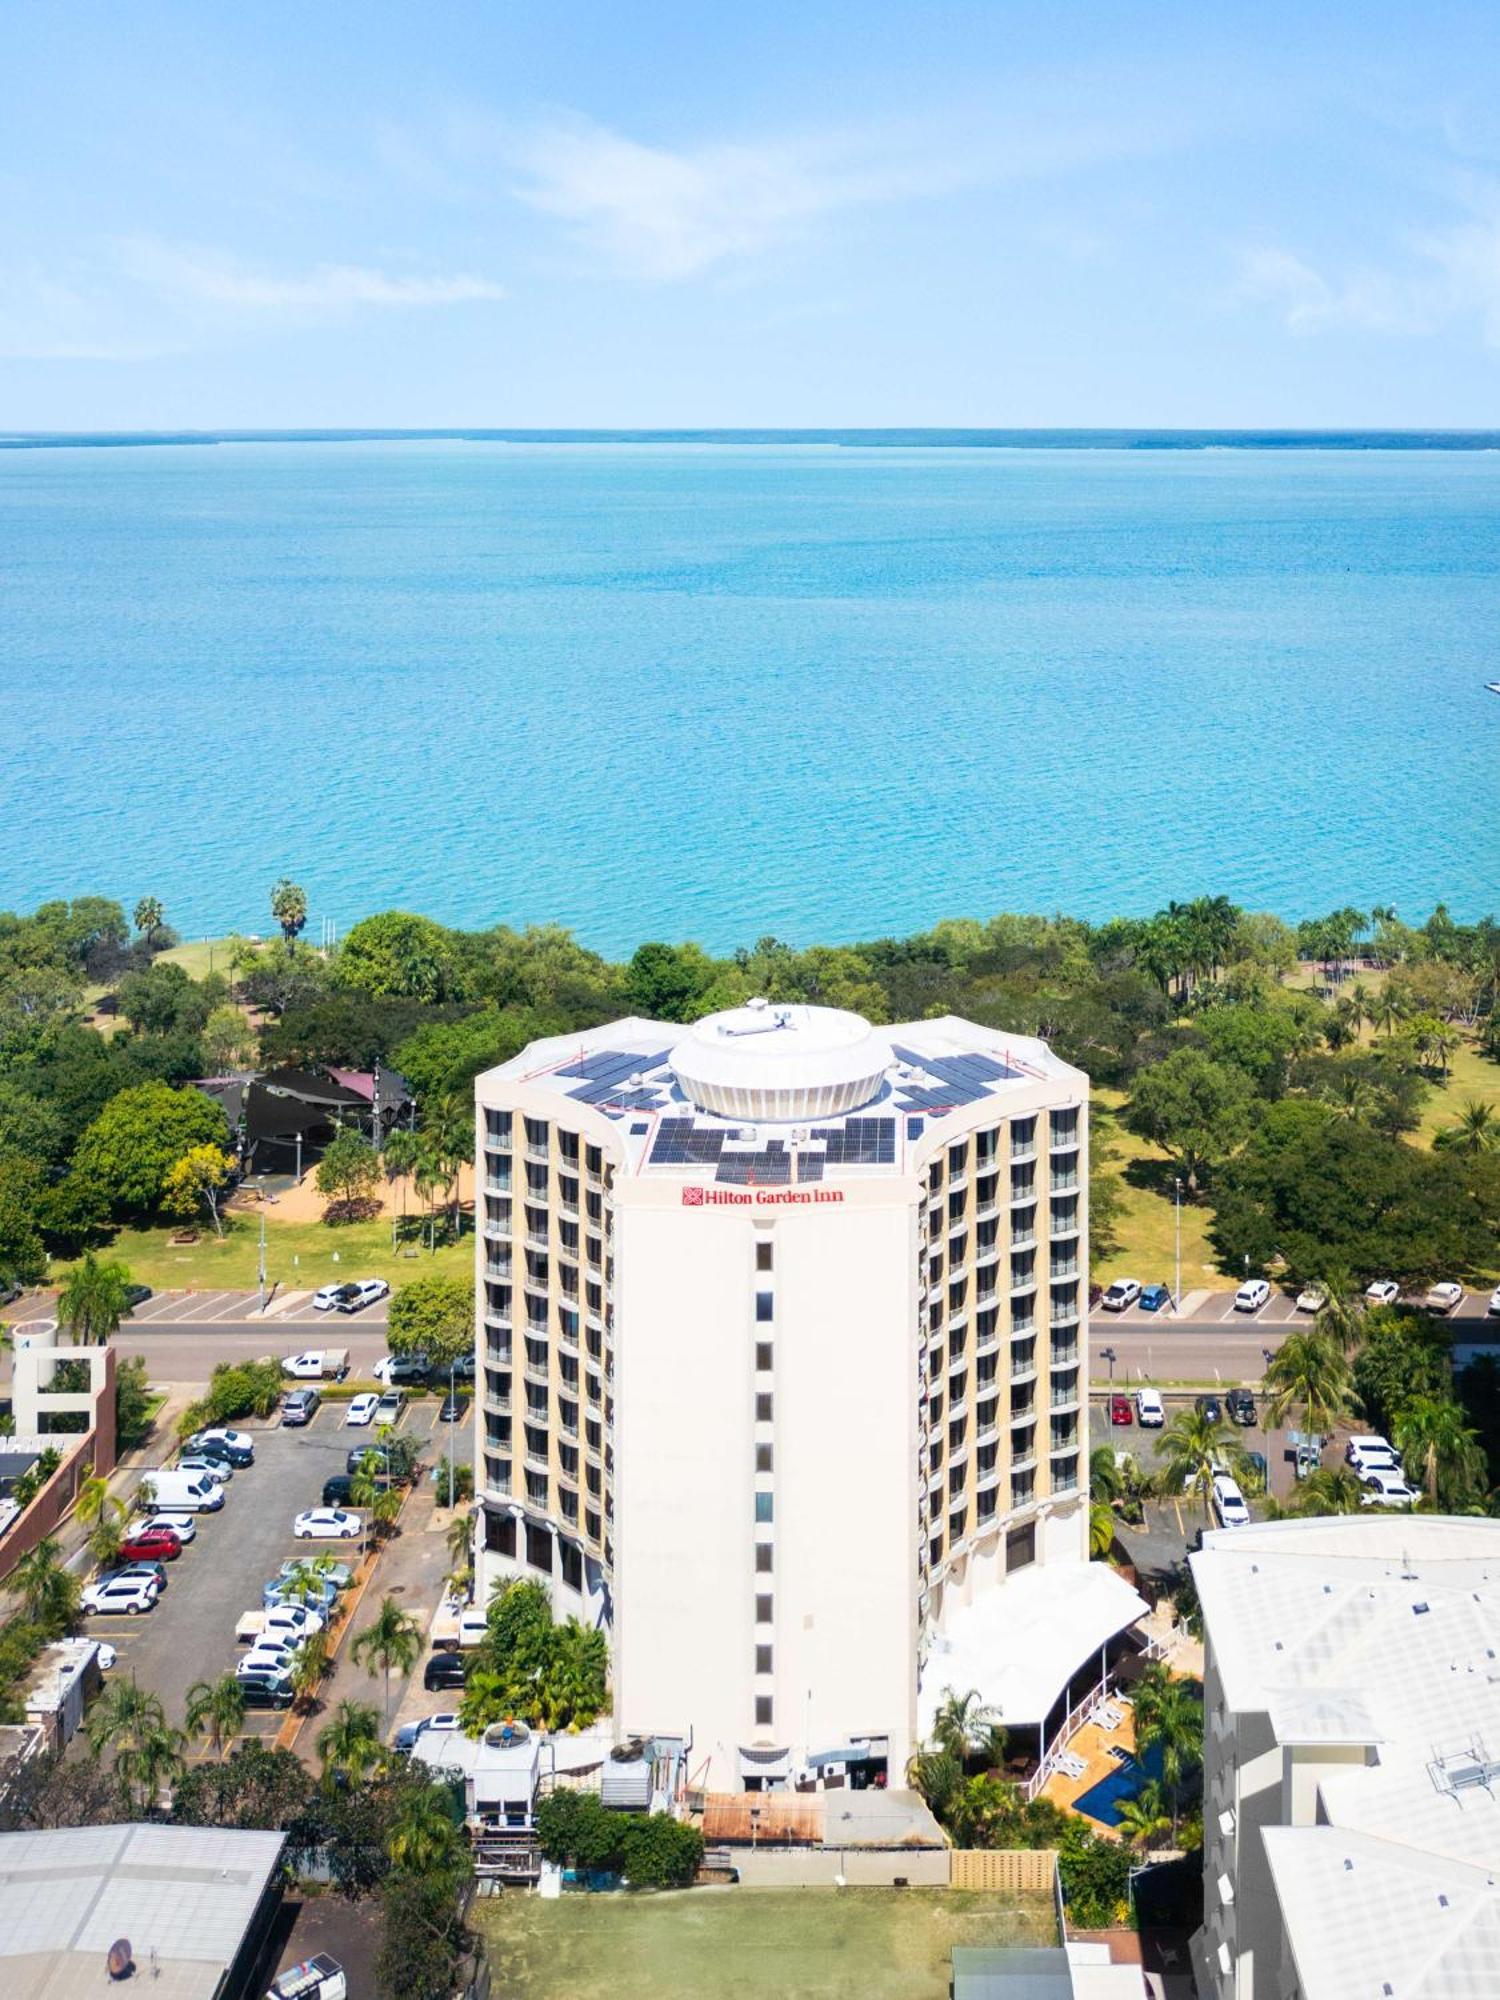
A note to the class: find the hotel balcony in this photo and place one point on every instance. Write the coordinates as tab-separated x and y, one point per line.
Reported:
495	1232
1023	1461
1024	1152
986	1482
1064	1183
1064	1399
1023	1371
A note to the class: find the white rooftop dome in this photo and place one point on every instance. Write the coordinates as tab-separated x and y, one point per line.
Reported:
769	1061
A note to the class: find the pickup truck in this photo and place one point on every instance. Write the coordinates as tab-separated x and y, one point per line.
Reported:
455	1627
291	1621
318	1364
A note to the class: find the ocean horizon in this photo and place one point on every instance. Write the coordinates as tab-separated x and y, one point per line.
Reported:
714	686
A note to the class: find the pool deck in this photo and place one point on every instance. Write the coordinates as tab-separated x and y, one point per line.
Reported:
1093	1744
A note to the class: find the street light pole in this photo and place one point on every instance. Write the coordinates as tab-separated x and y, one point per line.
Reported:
261	1273
1177	1210
451	1366
1108	1354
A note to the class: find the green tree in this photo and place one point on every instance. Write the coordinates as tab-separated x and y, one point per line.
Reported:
1169	1720
348	1174
392	1640
1191	1449
442	1058
149	919
659	1852
149	1763
197	1181
49	1593
311	1664
433	1315
423	1838
216	1709
349	1744
665	981
423	1937
289	908
1434	1439
1328	1490
228	1042
124	1711
1143	1820
576	1830
1309	1375
1196	1109
255	1786
1101	1530
1403	1355
133	1403
131	1147
1476	1129
93	1301
399	955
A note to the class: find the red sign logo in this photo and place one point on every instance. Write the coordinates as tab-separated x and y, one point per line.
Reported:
692	1197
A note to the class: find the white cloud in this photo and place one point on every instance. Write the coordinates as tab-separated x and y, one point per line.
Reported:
1308	302
214	279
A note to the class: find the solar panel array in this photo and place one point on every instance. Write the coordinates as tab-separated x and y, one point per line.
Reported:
859	1142
965	1079
809	1166
681	1143
771	1167
613	1065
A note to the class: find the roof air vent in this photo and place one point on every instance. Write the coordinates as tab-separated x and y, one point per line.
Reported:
120	1963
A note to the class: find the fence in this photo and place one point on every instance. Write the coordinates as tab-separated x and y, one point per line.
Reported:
856	1867
35	1522
1014	1871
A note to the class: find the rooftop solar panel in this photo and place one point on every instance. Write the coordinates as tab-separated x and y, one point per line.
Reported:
809	1166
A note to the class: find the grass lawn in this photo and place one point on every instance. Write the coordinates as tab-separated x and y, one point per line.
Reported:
299	1255
1470	1075
799	1944
1147	1224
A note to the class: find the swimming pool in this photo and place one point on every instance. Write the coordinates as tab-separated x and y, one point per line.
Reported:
1103	1801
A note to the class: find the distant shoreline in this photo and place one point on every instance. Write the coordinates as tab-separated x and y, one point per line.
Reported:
850	439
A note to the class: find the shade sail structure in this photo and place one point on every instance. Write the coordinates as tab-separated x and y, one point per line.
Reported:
1019	1646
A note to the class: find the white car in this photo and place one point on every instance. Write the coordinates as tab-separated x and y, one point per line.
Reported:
1387	1489
1383	1292
1122	1293
328	1524
350	1296
183	1526
1229	1502
1495	1300
1372	1454
265	1660
1444	1298
304	1367
106	1655
289	1621
1311	1299
219	1470
1149	1409
130	1595
362	1411
1252	1295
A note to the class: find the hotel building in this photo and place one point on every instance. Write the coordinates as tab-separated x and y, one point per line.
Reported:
1351	1809
782	1375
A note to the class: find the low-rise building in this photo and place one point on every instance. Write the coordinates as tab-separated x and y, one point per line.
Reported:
1351	1760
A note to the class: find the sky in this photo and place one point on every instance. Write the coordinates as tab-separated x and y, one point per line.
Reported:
812	214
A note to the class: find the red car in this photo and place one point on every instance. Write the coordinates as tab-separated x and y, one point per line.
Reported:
151	1544
1120	1411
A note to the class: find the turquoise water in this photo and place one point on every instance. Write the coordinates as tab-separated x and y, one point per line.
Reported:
718	690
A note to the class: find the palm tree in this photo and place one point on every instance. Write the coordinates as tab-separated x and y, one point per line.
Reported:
1191	1450
423	1838
104	1542
1143	1819
1169	1719
1106	1481
49	1593
96	1503
93	1301
1341	1317
385	1510
216	1709
1328	1490
399	1156
938	1776
394	1639
460	1540
152	1760
448	1137
289	908
149	918
310	1664
964	1724
1309	1374
124	1713
1387	1012
1431	1432
1475	1130
1101	1529
349	1743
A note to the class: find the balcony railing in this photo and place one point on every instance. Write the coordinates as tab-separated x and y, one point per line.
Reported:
1063	1183
1026	1151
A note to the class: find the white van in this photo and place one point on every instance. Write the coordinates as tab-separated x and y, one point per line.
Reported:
1229	1502
193	1492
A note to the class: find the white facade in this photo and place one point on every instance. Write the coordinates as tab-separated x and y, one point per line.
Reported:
1351	1760
781	1359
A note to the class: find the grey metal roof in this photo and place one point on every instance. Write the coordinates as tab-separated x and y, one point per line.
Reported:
186	1894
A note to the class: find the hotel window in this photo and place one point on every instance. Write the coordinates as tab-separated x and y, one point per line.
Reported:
536	1131
763	1659
498	1167
763	1409
593	1159
1020	1547
1022	1270
1065	1127
567	1190
763	1256
763	1711
536	1183
568	1502
1023	1225
497	1127
956	1206
763	1462
958	1157
764	1505
1022	1136
1022	1183
763	1352
1065	1215
986	1144
763	1558
763	1611
567	1146
765	1306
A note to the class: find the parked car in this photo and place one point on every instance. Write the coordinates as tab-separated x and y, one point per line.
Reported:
427	1725
106	1655
1444	1298
388	1410
1240	1406
445	1670
1122	1293
1149	1409
328	1524
1156	1298
338	1490
239	1445
338	1574
1306	1459
1208	1406
300	1407
183	1526
394	1368
1252	1295
1383	1292
116	1595
1372	1454
358	1453
318	1593
265	1688
136	1295
317	1364
350	1297
1312	1298
1229	1502
207	1466
289	1621
186	1492
220	1455
148	1567
161	1544
1387	1489
455	1408
1494	1305
1120	1410
362	1410
275	1656
317	1978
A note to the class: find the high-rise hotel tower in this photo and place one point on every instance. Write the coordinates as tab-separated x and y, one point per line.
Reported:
782	1374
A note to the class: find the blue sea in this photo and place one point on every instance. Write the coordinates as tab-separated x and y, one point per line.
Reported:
712	688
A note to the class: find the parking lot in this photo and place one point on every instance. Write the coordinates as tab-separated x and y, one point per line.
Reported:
189	1636
1204	1308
